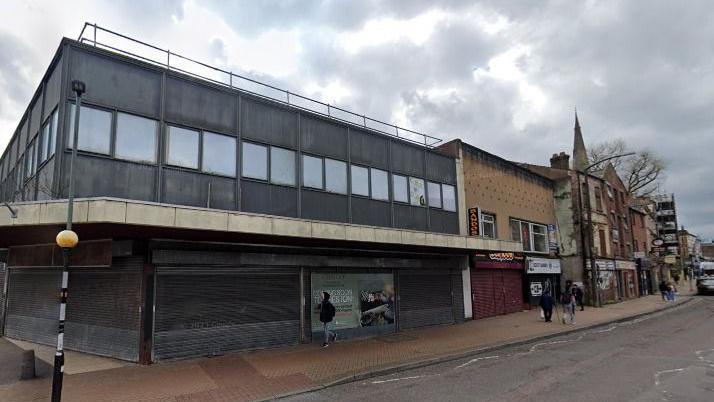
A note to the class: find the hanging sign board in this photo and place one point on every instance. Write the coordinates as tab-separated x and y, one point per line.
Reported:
474	221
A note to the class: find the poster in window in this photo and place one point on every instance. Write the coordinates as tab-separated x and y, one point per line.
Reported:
360	300
552	239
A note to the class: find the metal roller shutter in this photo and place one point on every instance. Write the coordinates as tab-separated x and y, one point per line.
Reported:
3	292
483	289
33	304
103	314
425	298
458	299
512	291
210	311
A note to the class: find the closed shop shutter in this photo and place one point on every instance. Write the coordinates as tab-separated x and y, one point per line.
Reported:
458	299
33	304
512	291
496	292
103	314
209	311
425	298
483	289
3	291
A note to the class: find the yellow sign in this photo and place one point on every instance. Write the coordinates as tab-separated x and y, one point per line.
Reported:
670	259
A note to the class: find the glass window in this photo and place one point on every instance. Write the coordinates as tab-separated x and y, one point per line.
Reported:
400	191
380	184
182	147
95	128
136	138
434	194
416	191
489	225
43	141
311	171
219	154
360	181
282	166
53	134
29	160
335	176
540	234
254	160
449	195
526	236
515	229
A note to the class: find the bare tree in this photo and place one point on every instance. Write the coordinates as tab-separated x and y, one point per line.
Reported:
641	172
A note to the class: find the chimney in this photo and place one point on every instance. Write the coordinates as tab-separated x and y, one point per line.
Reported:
560	161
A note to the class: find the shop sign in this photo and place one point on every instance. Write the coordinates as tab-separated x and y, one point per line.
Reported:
552	239
474	221
657	242
625	265
500	256
640	254
670	259
536	289
360	300
602	265
543	266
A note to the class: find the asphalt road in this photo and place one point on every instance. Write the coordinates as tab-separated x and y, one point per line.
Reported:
668	356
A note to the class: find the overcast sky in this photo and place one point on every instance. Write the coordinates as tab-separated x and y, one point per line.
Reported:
504	76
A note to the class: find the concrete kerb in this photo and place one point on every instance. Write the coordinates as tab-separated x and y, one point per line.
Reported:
462	355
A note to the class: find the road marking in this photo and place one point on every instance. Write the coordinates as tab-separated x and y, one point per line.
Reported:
398	379
475	360
605	330
659	373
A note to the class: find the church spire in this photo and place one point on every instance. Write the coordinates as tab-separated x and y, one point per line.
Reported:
580	155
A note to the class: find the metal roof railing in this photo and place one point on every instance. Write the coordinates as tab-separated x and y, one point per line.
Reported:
110	40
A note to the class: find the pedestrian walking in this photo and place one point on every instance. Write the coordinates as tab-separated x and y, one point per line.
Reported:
663	288
579	297
546	303
671	292
327	313
567	300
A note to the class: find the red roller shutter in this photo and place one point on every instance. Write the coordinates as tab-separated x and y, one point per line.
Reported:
512	291
482	289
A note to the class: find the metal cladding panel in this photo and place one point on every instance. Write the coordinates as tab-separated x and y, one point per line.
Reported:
369	149
192	188
103	314
324	206
116	83
266	123
23	138
211	311
323	138
443	221
36	116
52	89
200	106
407	159
370	212
425	298
440	168
95	177
458	294
33	304
483	290
3	272
409	217
268	199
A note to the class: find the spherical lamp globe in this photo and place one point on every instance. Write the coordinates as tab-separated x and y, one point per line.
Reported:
67	239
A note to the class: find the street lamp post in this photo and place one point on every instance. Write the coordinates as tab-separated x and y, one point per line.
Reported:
66	240
594	270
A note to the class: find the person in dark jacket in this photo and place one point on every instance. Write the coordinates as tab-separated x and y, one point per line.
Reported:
663	288
546	303
327	313
579	297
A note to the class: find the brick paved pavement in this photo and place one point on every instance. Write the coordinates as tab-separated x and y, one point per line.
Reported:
267	373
